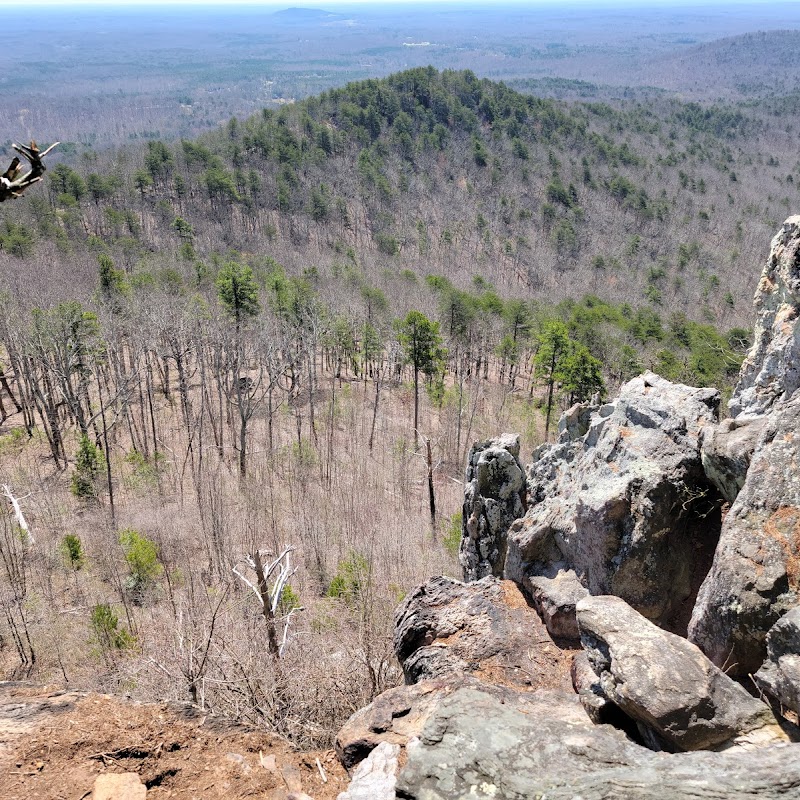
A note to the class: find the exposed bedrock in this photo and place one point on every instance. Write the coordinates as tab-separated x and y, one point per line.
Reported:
666	684
494	496
779	676
626	507
771	371
755	576
485	628
520	746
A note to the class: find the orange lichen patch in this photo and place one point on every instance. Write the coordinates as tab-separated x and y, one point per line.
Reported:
625	432
783	526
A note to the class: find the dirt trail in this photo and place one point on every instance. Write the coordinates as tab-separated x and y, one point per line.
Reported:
54	744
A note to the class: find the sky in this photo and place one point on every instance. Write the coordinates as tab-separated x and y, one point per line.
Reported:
333	4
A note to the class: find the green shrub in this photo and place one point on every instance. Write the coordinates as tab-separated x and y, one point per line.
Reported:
141	556
72	551
88	464
352	576
107	632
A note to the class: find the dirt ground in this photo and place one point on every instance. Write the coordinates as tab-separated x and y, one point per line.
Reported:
54	744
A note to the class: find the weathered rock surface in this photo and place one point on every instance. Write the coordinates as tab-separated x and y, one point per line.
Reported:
485	628
755	576
375	777
554	597
522	746
627	506
780	674
727	450
396	717
665	682
494	496
771	371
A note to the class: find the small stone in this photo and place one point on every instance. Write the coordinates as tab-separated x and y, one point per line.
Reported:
119	786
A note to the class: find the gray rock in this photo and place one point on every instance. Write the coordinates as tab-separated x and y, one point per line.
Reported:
574	422
779	676
494	496
755	576
396	717
520	747
727	450
666	683
554	597
628	506
485	628
587	685
771	371
375	777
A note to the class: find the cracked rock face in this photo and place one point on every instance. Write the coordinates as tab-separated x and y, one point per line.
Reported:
626	506
494	496
485	628
518	747
666	683
771	371
755	576
779	676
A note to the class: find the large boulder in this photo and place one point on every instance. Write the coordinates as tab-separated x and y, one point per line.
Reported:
771	371
518	746
494	496
667	684
755	576
485	628
627	506
779	676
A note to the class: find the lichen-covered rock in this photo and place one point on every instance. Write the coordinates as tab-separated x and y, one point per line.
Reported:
485	628
627	506
666	683
771	371
755	576
494	496
375	777
554	597
521	746
779	676
396	717
727	450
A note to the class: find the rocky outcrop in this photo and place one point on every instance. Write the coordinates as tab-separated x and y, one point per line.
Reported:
727	450
627	506
755	576
771	371
616	536
521	746
666	683
494	497
484	628
779	676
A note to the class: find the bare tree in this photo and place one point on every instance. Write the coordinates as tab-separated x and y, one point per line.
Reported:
13	182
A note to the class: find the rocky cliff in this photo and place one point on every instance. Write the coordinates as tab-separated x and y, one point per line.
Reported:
629	621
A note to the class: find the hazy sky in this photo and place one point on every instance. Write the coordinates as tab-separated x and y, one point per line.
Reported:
345	3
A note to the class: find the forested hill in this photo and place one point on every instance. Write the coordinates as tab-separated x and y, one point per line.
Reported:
667	204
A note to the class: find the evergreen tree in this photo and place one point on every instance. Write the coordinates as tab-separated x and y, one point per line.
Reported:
423	350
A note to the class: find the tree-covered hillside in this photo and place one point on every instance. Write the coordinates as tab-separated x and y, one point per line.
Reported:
441	173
